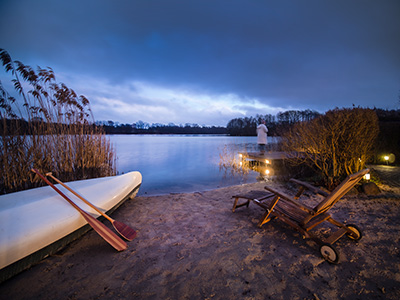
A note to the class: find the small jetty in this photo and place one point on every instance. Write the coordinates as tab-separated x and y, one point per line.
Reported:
264	156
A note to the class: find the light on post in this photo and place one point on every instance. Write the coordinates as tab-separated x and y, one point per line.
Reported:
386	158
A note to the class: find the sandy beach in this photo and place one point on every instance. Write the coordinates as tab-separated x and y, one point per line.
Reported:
191	246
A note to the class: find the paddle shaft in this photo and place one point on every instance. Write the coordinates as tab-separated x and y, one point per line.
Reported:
99	227
80	197
124	230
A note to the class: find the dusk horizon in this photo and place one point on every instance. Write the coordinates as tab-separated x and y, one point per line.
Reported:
210	62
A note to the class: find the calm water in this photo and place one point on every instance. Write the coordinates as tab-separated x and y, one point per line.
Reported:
180	163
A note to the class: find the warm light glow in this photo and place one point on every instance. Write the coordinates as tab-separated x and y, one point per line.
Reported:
267	161
386	157
267	172
240	163
367	176
240	155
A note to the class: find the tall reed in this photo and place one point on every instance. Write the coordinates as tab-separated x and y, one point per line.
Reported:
49	127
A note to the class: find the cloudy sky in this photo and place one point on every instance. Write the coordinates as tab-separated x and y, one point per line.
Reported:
209	61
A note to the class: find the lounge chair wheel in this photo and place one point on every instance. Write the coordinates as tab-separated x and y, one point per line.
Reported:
329	253
356	234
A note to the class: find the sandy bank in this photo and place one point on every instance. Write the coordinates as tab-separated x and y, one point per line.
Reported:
191	246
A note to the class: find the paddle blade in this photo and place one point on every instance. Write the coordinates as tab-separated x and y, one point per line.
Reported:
105	233
124	230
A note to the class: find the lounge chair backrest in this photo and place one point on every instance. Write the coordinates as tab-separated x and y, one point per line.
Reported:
340	191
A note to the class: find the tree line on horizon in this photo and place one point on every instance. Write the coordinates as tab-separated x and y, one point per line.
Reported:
245	126
141	127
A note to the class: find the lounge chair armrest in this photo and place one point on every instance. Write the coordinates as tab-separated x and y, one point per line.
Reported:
310	187
289	199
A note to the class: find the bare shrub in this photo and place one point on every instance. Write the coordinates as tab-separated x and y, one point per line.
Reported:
48	127
335	144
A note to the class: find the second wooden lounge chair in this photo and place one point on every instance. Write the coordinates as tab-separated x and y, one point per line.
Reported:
303	218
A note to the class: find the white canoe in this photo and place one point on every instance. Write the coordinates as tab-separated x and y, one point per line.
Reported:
38	222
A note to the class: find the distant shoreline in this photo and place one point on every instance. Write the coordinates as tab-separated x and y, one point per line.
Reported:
157	133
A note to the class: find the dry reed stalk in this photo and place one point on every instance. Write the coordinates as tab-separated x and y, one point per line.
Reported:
51	132
231	164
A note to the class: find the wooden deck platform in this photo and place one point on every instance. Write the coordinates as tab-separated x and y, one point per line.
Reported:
264	156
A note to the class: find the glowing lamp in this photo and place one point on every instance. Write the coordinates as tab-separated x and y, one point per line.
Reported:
267	161
367	176
386	158
267	172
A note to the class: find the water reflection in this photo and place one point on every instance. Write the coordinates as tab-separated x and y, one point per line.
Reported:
234	162
242	165
182	163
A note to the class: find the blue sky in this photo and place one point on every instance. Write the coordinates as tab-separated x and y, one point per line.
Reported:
207	62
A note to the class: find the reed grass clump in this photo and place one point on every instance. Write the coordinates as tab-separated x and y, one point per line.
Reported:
49	127
232	163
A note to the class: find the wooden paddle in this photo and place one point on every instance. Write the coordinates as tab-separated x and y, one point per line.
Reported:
124	230
99	227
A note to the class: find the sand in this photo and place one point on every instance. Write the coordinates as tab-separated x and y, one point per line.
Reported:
191	246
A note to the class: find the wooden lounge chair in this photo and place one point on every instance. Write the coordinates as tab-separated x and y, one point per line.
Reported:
303	218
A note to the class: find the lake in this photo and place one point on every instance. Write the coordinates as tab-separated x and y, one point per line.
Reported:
181	163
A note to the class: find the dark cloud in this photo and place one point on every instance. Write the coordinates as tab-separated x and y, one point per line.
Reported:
284	54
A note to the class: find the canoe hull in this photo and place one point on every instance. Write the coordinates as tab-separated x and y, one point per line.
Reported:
47	223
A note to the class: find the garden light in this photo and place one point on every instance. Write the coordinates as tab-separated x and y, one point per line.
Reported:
367	176
386	158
